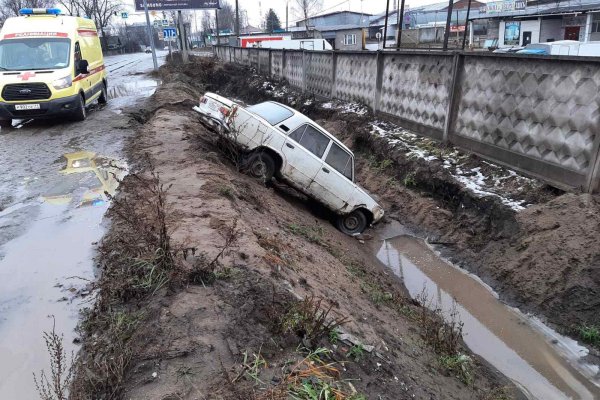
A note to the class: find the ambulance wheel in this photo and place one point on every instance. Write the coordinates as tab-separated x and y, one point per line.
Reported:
103	99
80	112
5	123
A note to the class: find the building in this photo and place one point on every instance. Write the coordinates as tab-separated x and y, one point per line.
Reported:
521	22
336	19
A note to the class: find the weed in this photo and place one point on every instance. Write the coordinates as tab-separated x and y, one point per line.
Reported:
443	335
252	366
56	386
356	352
460	365
590	334
226	191
499	393
184	372
409	180
380	166
357	396
376	294
356	269
308	320
313	234
334	336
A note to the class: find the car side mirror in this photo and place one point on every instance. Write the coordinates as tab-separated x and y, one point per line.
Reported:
82	67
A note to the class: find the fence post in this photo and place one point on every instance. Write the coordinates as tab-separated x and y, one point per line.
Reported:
270	63
452	110
334	57
379	81
230	56
303	71
283	64
593	177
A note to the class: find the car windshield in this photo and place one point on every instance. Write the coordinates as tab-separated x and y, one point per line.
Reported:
272	112
34	54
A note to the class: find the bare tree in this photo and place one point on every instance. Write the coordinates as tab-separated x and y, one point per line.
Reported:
226	16
103	12
306	8
10	8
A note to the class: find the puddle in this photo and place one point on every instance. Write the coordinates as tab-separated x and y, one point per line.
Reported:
45	272
544	364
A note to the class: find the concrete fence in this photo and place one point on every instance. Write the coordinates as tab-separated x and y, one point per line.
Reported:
539	115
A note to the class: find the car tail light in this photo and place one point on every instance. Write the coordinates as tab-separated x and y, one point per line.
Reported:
203	100
225	111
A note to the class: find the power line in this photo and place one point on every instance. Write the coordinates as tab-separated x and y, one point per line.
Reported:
321	11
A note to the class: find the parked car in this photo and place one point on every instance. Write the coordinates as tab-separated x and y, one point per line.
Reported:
505	50
279	141
148	50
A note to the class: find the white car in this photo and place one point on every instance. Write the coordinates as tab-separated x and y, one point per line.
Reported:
279	141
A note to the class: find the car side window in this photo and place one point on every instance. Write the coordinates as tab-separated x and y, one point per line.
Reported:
77	52
340	160
311	139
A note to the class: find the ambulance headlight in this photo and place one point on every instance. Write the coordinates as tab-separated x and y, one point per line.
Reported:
63	83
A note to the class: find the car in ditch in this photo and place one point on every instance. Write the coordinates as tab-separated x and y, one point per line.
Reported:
278	141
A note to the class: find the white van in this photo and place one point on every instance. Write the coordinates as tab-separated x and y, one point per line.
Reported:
304	44
563	48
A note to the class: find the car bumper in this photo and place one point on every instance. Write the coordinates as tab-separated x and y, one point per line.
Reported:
211	121
48	108
377	214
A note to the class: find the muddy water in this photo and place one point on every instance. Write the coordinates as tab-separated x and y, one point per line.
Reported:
546	365
52	203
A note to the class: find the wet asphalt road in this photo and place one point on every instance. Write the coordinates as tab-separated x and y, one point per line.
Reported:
52	202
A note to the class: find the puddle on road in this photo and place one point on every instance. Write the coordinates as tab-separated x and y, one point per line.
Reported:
545	364
36	272
124	92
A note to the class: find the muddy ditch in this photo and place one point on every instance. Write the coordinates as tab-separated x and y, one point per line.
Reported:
215	286
534	244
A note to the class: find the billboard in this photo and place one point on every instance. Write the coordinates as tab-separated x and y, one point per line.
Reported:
156	5
503	6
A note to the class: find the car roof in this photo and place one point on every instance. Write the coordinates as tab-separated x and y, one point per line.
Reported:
302	119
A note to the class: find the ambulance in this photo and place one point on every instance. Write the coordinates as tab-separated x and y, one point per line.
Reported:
51	65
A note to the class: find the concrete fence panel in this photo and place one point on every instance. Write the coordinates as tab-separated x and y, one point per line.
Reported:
277	63
539	115
293	70
263	61
356	77
253	58
319	73
416	87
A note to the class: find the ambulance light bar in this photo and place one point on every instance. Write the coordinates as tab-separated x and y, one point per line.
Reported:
32	11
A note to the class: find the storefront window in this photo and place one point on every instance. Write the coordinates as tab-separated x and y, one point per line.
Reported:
512	32
595	22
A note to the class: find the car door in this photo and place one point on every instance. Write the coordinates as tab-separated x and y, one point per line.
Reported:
303	150
335	179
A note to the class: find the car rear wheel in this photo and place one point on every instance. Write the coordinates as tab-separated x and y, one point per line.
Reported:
80	112
353	223
103	99
6	123
260	165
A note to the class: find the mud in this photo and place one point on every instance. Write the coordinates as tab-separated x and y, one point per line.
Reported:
539	256
191	337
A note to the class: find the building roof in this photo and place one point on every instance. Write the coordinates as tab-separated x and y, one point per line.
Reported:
553	8
335	13
331	28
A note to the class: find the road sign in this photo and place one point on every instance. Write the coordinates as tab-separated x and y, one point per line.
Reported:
124	15
156	23
169	33
165	22
177	4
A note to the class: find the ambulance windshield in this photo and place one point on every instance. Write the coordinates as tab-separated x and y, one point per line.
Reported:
25	54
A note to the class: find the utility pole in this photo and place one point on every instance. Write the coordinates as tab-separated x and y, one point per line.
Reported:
287	12
467	26
217	25
237	19
401	24
182	37
448	20
151	34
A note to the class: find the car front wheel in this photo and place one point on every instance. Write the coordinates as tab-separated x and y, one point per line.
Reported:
80	112
260	166
353	223
6	123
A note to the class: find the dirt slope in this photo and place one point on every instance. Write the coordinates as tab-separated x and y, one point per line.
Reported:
542	259
232	313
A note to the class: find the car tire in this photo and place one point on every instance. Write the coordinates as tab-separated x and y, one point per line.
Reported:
103	99
5	123
80	112
352	224
260	165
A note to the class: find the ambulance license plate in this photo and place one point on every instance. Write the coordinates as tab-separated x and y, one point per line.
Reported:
20	107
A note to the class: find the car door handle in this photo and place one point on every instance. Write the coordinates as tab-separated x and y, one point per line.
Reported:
325	170
289	145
